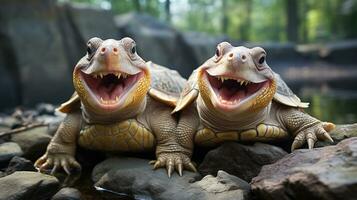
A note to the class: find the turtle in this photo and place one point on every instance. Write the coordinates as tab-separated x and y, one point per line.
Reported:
236	96
121	104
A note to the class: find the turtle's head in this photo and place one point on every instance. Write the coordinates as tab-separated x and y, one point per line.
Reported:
237	80
111	77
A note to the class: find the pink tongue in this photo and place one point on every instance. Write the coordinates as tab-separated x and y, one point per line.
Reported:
226	93
239	95
231	94
110	92
118	90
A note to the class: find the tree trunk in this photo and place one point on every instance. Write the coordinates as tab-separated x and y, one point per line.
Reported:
224	17
137	5
245	27
168	11
292	20
303	22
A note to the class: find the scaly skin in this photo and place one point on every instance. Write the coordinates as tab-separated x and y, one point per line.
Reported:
113	111
235	97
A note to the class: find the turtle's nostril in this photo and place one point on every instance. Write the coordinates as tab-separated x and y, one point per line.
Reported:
115	50
102	50
244	57
230	56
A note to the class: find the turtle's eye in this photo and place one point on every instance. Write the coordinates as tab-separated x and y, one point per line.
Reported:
89	50
261	60
133	50
218	52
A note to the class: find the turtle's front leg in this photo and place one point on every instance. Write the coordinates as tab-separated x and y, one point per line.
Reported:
60	151
304	127
173	150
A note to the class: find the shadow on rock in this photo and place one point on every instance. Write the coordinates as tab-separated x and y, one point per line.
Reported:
136	177
243	161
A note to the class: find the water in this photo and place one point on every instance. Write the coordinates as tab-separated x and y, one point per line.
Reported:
337	107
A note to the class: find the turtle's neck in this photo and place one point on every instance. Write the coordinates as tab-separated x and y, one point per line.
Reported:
107	118
219	122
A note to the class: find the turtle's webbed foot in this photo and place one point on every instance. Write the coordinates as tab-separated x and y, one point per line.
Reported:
312	134
173	161
57	161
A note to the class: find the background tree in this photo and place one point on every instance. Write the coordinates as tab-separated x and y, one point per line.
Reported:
292	25
301	21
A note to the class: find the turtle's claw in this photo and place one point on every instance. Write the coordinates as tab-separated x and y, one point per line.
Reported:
173	162
170	167
310	143
191	167
57	161
179	168
312	135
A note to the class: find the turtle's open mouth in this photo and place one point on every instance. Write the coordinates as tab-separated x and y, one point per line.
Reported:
109	88
232	90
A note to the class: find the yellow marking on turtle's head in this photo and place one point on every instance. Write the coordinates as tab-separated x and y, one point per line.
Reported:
236	81
111	78
264	98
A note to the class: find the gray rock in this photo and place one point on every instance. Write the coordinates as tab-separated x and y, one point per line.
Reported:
7	151
92	21
136	177
202	45
19	164
67	193
45	109
243	161
322	173
53	121
33	141
37	51
8	122
224	186
28	185
158	42
78	22
340	133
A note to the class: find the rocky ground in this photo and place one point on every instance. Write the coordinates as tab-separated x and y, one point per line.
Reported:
230	171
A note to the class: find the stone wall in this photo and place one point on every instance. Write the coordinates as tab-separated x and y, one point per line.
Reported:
41	41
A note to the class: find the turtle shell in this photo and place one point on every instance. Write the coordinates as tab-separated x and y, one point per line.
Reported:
72	104
189	93
285	96
166	84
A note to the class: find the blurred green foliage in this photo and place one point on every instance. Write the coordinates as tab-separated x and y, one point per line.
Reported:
332	108
301	21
